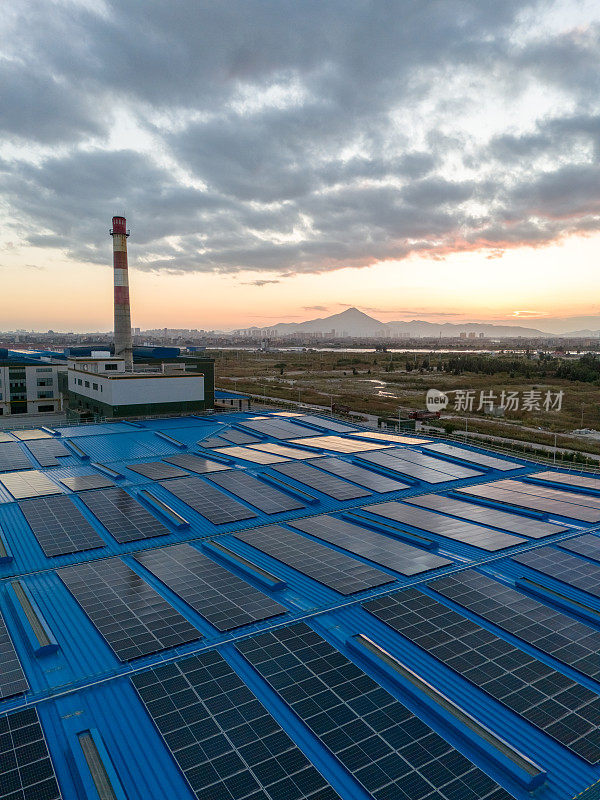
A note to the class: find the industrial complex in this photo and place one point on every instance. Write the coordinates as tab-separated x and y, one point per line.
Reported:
276	606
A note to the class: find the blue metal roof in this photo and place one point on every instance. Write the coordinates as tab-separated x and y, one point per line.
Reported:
81	684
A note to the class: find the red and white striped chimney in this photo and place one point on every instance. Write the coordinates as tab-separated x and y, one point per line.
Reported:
123	344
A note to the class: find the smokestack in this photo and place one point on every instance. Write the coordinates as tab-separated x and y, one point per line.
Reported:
123	344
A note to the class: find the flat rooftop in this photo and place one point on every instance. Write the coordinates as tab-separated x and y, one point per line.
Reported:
281	605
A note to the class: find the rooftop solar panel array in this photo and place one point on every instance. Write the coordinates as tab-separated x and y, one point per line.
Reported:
491	491
59	526
563	567
213	441
449	527
326	424
225	600
277	428
430	462
255	492
5	437
390	553
338	444
47	451
587	545
513	523
390	437
131	616
157	470
34	433
473	457
238	437
251	454
551	632
224	740
207	500
122	516
12	677
389	751
568	479
336	570
385	459
27	769
12	458
282	450
364	477
544	697
32	483
327	484
196	463
82	483
560	494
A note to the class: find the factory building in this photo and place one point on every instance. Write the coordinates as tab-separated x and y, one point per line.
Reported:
28	385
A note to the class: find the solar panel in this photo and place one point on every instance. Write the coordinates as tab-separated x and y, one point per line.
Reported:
213	441
35	433
551	632
563	567
450	528
587	545
224	740
336	570
390	437
389	751
196	463
27	772
360	475
277	428
473	457
282	450
514	523
12	677
326	424
122	516
59	526
256	492
131	616
157	470
32	483
401	557
4	437
81	483
12	458
45	451
544	697
561	495
327	484
225	600
430	462
247	454
238	437
338	444
405	467
208	501
568	479
490	491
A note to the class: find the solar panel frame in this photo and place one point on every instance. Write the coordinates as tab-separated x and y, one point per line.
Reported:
223	599
333	569
404	467
376	547
123	517
568	479
430	462
282	450
564	567
560	495
488	491
13	458
83	483
391	437
448	527
547	699
213	441
27	768
59	526
197	464
157	470
473	457
276	428
513	523
31	483
321	481
339	444
133	618
238	437
552	632
248	454
360	475
388	750
222	737
256	492
47	451
207	500
12	676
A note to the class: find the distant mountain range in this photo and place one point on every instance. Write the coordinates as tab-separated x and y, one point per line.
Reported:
355	323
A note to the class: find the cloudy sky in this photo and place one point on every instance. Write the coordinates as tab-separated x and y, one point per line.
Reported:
279	159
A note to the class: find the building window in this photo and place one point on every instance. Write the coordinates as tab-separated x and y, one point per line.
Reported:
87	384
43	369
95	387
45	395
46	407
110	366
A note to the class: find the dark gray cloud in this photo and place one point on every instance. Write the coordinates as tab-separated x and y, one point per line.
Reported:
294	137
